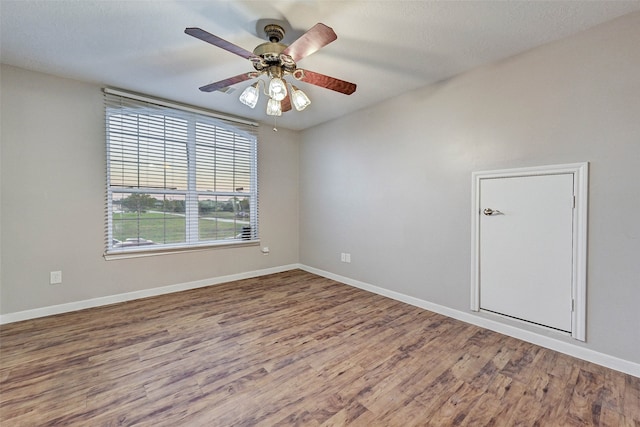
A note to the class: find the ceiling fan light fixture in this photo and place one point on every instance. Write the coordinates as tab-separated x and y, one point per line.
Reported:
299	99
250	96
277	89
274	108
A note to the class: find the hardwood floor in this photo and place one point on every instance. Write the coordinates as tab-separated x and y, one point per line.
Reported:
292	349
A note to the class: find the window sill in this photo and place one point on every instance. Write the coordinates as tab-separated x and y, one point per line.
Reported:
147	252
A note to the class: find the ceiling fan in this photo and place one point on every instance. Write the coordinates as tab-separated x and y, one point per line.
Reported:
276	60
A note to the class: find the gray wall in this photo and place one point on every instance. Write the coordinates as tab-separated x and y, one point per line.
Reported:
392	184
52	212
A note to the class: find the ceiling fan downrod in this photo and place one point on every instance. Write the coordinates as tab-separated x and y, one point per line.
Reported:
274	33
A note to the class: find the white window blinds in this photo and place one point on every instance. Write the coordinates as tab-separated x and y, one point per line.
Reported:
177	178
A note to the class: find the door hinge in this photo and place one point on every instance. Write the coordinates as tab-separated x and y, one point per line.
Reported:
574	202
573	305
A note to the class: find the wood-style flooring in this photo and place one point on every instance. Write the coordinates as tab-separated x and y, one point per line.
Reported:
292	349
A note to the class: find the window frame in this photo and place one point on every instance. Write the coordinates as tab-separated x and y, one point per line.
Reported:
246	131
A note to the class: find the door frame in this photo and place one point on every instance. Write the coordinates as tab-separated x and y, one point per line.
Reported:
580	173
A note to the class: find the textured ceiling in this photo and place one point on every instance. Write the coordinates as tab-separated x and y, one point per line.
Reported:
385	47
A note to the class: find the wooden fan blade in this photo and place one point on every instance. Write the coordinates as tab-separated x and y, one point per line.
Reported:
317	37
221	43
326	82
285	104
226	82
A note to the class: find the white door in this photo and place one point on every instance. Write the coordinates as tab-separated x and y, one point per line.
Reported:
525	247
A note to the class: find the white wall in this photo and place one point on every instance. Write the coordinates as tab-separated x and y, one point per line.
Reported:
392	184
53	187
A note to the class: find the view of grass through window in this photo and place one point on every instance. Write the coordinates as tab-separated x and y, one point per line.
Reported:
141	219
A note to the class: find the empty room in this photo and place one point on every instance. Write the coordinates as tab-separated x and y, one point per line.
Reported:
319	213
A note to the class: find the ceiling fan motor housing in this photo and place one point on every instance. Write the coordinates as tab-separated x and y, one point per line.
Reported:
271	52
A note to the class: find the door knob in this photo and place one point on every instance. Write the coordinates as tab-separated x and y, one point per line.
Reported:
489	211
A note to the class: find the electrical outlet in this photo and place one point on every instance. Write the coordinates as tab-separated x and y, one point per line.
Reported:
55	277
347	257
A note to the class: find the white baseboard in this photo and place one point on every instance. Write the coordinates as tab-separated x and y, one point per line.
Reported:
577	351
602	359
129	296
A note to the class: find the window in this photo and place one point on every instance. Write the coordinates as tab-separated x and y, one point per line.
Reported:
177	178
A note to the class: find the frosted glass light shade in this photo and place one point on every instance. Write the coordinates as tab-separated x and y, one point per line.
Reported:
277	89
299	99
250	96
274	108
